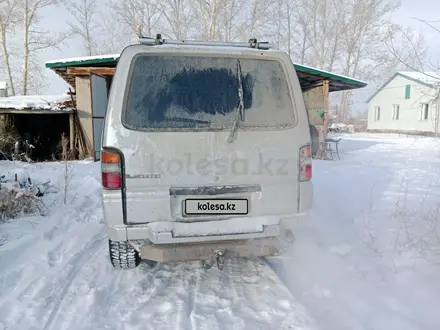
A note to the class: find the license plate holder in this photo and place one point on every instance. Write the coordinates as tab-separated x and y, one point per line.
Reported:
215	206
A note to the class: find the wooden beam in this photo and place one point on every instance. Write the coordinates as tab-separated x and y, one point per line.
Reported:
310	86
86	71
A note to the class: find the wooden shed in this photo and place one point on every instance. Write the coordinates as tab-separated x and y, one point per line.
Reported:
92	77
41	119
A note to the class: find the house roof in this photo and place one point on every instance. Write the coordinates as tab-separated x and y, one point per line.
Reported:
427	79
36	104
309	77
3	85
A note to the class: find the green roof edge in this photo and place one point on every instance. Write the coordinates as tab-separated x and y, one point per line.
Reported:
298	67
330	75
394	76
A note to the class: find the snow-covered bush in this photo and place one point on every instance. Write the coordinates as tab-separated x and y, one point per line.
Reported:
15	201
419	230
19	195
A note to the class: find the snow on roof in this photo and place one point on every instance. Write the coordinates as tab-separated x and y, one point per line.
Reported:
427	77
85	58
36	102
3	85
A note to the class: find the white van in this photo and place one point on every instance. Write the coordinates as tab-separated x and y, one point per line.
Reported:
205	154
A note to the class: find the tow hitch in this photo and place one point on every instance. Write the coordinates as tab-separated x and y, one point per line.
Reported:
218	257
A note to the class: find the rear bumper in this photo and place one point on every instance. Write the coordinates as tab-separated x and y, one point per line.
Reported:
262	247
273	228
166	246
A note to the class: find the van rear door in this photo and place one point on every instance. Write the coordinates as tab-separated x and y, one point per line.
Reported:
204	128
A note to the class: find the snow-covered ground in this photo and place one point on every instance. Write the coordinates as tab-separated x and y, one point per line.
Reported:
368	259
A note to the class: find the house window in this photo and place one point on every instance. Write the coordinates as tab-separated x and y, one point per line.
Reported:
396	111
424	111
407	92
376	113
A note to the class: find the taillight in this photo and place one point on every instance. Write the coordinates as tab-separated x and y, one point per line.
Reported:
305	163
111	170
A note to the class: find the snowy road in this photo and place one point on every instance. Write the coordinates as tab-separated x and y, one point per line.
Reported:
367	260
55	274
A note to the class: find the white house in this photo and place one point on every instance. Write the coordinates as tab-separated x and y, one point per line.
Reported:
407	102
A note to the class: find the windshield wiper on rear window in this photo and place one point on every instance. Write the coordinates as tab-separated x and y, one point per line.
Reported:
240	110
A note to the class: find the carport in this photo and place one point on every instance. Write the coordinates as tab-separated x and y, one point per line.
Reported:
92	77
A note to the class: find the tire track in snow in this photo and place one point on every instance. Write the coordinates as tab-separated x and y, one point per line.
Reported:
301	319
79	262
172	305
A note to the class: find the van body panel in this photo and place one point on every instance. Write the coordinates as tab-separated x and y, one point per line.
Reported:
165	166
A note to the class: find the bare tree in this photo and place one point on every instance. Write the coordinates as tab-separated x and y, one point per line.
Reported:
320	24
292	29
178	15
230	19
112	36
135	13
408	49
35	39
209	13
259	17
8	20
84	25
363	45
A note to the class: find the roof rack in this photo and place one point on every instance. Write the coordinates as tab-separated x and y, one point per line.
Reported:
252	43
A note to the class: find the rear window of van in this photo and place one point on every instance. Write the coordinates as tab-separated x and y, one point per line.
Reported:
180	92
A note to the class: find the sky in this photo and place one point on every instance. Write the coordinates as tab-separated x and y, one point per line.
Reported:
410	9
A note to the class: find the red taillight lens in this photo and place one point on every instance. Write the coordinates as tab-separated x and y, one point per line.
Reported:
111	170
305	163
111	180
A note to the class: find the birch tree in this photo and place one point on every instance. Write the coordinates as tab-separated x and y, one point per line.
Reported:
35	39
84	23
8	20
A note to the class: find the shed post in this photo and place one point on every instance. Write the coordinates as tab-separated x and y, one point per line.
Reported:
325	92
324	126
72	134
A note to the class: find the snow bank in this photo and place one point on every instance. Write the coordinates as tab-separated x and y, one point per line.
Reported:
36	102
370	256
